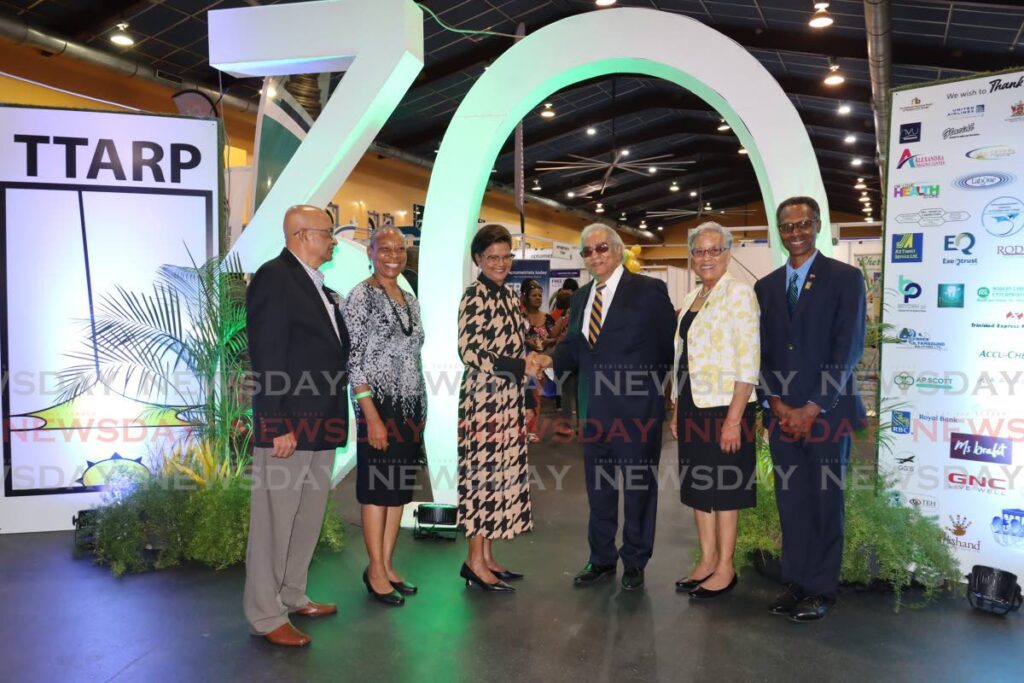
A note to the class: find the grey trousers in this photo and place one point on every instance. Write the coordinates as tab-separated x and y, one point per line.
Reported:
289	497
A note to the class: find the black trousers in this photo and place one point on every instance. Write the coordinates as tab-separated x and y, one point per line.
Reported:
809	490
633	468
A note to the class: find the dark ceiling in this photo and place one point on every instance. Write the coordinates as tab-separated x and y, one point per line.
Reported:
931	39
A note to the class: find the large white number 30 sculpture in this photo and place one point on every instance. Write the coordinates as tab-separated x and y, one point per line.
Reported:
383	41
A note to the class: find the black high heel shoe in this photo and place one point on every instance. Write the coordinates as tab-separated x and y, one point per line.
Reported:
508	575
470	577
404	587
392	599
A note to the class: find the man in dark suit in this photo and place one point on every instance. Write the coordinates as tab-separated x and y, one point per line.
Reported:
620	343
812	335
298	346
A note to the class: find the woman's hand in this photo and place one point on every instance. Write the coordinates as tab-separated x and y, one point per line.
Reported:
377	433
674	424
730	442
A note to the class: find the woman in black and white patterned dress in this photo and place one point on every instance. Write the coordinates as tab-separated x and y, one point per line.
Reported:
390	402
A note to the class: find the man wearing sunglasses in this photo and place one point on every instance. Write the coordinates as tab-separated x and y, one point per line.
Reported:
812	336
299	348
620	339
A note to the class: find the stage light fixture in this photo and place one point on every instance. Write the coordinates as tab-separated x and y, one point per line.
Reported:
548	112
833	77
120	37
821	17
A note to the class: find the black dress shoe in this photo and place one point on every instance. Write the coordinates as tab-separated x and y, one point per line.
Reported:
508	575
392	599
471	577
687	585
785	603
812	608
702	593
633	579
593	573
404	587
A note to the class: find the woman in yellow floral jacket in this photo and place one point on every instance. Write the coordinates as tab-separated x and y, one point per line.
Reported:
717	359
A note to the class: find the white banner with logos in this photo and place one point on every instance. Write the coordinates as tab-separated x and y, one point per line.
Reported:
953	383
92	205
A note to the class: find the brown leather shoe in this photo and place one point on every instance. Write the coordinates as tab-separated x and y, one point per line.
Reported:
288	636
316	609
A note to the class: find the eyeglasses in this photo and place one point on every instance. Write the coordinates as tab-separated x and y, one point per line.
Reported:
601	248
495	259
328	231
803	226
713	252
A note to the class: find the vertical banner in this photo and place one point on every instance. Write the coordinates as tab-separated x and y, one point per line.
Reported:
953	377
92	206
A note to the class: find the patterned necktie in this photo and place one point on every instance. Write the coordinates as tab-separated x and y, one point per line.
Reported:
595	315
792	293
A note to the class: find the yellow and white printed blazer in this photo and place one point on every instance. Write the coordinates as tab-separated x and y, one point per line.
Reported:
723	345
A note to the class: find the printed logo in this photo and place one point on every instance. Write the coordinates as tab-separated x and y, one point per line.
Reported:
908	247
926	381
966	112
1016	112
962	242
954	132
922	502
981	448
951	296
901	422
919	160
991	153
1008	528
919	340
1010	250
909	290
956	532
910	132
984	181
1003	216
981	483
923	190
929	218
1005	354
1001	294
916	105
904	461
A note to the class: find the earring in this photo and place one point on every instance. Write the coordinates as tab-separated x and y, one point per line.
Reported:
370	266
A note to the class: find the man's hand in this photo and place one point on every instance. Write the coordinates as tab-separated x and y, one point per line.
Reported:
779	409
284	445
536	363
800	420
377	433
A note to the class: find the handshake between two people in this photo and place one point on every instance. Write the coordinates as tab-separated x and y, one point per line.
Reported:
536	364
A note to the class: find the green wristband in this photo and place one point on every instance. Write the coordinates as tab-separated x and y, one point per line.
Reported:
363	394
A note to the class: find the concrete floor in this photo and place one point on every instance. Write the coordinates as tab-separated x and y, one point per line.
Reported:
68	620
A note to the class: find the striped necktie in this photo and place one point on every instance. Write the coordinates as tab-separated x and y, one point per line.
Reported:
792	293
596	313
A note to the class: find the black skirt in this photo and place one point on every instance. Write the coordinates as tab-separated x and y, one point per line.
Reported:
710	479
388	477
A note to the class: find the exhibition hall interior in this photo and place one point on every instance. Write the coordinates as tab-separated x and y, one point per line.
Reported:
515	340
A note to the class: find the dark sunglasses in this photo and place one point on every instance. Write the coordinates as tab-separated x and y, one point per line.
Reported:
601	248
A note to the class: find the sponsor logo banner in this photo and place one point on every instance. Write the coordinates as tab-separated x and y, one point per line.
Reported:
928	218
964	243
1000	294
951	295
910	291
991	153
901	422
919	340
1008	528
1010	250
910	132
1003	216
922	190
971	111
919	160
955	132
916	104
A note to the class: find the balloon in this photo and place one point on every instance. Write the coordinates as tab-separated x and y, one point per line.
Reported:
632	265
635	250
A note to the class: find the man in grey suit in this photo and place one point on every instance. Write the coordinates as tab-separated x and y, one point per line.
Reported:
298	346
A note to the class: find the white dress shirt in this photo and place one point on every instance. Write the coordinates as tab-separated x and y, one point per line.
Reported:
606	297
318	282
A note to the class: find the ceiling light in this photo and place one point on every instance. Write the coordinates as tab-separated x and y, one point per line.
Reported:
850	139
693	193
536	186
652	169
622	216
660	228
119	37
743	150
605	3
624	152
864	199
821	17
674	187
867	209
591	131
707	207
860	185
548	112
856	161
723	126
833	77
643	223
570	194
600	208
844	109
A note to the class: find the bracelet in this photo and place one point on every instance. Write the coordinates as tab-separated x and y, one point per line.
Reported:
363	394
731	424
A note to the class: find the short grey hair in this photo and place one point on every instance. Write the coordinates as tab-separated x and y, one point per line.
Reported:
613	237
378	234
710	226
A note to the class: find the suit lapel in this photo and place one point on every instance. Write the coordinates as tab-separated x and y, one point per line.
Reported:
576	323
305	283
613	309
